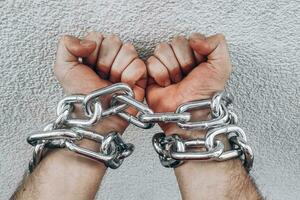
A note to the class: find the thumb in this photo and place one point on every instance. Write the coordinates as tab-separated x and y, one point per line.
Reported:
215	49
74	76
71	48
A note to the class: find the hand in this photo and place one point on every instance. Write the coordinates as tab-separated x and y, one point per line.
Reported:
186	70
106	60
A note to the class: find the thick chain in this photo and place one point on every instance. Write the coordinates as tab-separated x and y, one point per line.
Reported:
66	131
173	150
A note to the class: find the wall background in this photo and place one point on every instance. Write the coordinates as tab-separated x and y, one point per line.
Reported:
264	42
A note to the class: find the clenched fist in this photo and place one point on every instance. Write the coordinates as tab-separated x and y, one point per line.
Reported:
186	70
105	61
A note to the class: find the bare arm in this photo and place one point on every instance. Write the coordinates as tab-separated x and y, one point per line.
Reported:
215	180
106	60
63	175
193	69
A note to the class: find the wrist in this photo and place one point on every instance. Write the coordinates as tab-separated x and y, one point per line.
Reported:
64	158
210	179
64	172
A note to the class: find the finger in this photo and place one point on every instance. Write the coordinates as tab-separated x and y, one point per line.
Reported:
166	55
153	96
125	56
135	74
199	58
71	48
139	94
91	60
150	81
158	71
109	49
184	53
68	51
216	50
67	66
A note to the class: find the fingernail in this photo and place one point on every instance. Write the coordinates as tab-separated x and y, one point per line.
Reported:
87	43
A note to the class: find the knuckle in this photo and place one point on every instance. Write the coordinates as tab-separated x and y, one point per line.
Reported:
114	38
139	64
161	47
95	34
151	61
148	61
178	38
128	47
129	50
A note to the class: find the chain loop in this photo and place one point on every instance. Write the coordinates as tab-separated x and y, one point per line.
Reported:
162	145
208	148
165	117
246	154
112	155
212	133
66	132
142	108
95	95
217	121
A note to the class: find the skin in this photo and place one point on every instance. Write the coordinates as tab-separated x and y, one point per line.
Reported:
179	71
193	69
106	60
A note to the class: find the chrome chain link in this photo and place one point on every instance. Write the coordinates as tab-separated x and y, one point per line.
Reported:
66	131
173	150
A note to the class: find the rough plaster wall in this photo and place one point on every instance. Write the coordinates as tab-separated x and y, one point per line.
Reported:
264	44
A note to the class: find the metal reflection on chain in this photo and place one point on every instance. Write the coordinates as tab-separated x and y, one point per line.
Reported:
66	132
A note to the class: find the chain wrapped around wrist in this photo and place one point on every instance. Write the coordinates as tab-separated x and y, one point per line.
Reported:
173	150
66	132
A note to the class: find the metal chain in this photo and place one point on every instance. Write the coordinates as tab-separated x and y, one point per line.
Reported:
173	150
66	131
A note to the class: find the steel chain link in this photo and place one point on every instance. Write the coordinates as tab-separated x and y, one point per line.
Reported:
66	132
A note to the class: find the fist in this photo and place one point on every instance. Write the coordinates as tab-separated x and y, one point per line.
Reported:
186	70
105	60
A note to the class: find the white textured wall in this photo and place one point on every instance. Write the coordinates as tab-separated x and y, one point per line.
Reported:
264	44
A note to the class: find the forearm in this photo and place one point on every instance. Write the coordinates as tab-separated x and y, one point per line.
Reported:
213	179
63	175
